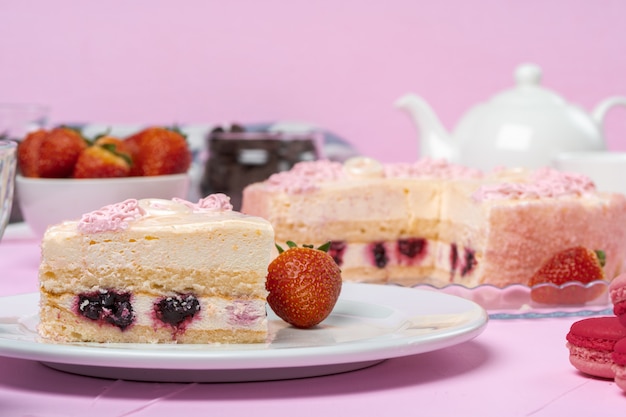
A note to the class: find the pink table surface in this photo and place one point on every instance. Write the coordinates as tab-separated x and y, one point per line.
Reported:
514	368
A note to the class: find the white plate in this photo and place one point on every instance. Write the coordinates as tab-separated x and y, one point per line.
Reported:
369	324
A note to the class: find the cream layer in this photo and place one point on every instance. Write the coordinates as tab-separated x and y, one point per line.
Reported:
230	242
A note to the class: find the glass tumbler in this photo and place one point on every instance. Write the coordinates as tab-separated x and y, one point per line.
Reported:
8	164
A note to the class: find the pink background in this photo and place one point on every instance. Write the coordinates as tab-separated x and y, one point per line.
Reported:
338	64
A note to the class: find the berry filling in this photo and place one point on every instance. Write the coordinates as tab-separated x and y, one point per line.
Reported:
336	251
379	254
411	250
176	310
465	265
108	307
470	262
454	257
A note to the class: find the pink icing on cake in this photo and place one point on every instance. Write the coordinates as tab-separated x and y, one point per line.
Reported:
304	176
118	216
545	182
427	167
213	202
110	218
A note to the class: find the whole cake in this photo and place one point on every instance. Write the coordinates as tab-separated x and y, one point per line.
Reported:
432	222
157	271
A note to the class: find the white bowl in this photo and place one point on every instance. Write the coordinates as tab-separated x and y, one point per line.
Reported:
45	202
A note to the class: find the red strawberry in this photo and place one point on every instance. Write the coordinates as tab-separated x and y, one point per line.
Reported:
159	151
573	264
115	144
104	159
59	151
28	153
303	284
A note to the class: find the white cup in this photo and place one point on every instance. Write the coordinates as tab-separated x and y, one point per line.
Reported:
605	168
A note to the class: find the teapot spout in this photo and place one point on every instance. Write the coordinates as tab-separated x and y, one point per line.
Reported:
435	142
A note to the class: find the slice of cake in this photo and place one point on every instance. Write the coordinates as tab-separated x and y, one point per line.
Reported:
157	271
437	223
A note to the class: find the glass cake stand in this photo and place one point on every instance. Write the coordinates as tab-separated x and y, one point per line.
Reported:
519	301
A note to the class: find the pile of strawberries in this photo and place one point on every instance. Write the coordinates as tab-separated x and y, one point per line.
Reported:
63	152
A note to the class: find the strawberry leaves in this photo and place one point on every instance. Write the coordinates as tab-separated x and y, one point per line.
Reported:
324	248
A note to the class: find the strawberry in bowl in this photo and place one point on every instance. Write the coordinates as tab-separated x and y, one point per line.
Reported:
50	154
158	151
106	158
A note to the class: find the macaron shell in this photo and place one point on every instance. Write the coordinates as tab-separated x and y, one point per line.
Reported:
591	343
597	332
591	362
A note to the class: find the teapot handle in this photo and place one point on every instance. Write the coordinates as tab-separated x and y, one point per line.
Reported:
599	113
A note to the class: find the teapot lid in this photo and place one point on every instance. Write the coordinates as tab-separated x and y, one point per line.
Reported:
528	89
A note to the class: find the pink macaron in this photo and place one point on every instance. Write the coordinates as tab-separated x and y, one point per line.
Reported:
591	341
617	293
619	363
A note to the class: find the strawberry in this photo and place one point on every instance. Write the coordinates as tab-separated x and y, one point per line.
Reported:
104	159
59	151
28	153
303	284
159	151
115	144
573	264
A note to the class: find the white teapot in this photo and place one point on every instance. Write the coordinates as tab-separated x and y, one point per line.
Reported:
525	126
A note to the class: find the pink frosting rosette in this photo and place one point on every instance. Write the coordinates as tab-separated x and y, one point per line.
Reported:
543	183
110	218
212	202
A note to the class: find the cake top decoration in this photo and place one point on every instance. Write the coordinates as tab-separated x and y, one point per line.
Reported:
118	216
308	175
304	176
363	167
212	202
429	167
544	182
112	217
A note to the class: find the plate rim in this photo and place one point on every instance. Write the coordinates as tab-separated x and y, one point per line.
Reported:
195	358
